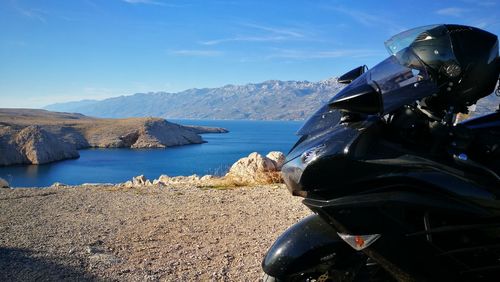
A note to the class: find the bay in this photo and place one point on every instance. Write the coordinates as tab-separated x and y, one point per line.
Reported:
120	165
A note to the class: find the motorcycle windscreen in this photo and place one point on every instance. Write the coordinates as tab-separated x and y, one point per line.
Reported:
401	79
327	117
321	120
406	38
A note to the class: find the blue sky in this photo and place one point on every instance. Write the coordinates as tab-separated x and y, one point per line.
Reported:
56	51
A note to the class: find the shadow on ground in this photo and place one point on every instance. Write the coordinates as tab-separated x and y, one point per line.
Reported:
23	265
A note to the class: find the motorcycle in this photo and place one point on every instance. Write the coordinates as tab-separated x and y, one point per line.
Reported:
399	189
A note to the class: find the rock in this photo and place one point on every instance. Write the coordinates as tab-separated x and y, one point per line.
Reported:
92	250
139	180
204	129
128	184
207	177
163	179
148	183
4	183
254	169
103	259
58	184
192	179
277	157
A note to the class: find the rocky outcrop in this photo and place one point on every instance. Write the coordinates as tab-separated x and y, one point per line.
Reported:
204	129
33	145
164	180
158	133
254	169
4	183
58	136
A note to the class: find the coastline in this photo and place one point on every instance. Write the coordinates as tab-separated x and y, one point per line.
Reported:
29	136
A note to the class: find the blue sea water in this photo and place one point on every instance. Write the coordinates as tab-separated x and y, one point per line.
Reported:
120	165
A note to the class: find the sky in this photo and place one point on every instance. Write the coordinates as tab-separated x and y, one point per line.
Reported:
59	51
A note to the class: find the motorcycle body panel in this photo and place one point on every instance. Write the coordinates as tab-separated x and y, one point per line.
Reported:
311	245
383	188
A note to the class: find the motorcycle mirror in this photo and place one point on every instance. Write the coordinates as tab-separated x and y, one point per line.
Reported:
351	75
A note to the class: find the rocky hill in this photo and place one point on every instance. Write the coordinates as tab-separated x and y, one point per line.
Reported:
30	136
270	100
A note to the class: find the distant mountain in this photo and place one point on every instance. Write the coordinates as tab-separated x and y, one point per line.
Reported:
270	100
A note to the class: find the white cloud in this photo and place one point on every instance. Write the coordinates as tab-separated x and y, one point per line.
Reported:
33	14
276	30
142	2
271	34
328	54
367	19
245	39
451	11
482	3
196	53
151	2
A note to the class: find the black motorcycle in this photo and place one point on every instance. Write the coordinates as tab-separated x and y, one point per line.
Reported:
399	189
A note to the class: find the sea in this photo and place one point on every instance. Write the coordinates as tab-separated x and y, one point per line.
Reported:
214	157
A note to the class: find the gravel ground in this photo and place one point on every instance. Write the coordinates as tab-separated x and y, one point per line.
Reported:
138	234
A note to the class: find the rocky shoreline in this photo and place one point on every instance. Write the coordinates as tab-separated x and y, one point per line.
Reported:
29	136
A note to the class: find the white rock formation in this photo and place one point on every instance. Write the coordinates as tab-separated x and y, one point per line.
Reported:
139	180
254	169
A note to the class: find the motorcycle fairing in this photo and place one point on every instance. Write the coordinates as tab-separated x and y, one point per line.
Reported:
311	245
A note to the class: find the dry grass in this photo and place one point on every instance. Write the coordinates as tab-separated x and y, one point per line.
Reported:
230	182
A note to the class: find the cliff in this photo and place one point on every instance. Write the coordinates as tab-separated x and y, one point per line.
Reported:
29	136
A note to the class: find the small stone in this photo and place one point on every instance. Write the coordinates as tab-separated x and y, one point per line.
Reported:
104	259
207	177
139	180
163	179
4	183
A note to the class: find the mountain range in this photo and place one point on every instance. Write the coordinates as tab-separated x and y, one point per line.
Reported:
269	100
